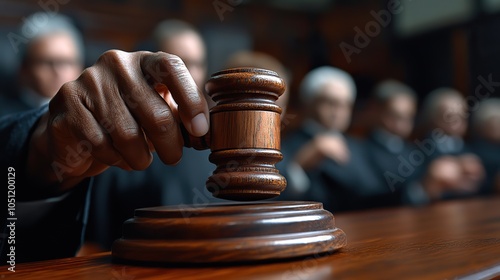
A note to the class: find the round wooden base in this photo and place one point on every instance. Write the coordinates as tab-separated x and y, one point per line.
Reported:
224	233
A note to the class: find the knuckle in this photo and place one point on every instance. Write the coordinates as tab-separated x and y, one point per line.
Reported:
89	87
111	56
164	122
172	60
67	88
98	143
115	61
67	95
132	91
90	77
161	114
127	135
64	105
172	57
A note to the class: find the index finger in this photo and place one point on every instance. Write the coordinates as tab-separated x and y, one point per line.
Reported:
170	70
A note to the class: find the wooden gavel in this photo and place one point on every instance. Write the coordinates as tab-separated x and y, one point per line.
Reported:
244	136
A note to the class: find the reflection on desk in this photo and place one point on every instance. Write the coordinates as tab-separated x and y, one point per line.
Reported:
442	241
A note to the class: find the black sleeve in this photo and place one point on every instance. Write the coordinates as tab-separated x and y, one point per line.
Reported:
40	229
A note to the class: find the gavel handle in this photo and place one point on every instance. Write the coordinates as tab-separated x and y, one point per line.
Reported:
198	143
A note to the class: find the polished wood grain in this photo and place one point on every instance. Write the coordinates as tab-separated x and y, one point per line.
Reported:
244	134
443	241
244	140
228	233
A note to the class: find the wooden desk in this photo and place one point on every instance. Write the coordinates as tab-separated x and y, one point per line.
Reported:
442	241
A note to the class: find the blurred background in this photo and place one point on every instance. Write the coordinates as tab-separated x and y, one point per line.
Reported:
448	45
426	43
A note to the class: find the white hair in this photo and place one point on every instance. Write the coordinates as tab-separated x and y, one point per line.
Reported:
316	79
488	108
43	24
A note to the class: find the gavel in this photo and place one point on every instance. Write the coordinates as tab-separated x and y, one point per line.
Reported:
244	136
244	139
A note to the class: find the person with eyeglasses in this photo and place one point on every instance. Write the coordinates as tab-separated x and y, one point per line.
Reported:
50	55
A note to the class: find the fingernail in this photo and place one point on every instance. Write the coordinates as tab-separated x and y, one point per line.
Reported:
199	125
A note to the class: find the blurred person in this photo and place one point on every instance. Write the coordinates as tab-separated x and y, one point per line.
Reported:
182	39
486	141
387	146
450	169
445	111
51	56
322	163
119	192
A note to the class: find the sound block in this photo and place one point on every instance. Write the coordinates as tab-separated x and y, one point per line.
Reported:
227	233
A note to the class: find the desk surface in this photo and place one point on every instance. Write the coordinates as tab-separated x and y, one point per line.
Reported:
441	241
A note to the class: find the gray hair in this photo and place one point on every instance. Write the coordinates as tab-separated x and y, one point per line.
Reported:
432	101
170	28
388	89
487	109
43	24
316	79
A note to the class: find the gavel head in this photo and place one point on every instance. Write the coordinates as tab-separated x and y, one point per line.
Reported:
245	134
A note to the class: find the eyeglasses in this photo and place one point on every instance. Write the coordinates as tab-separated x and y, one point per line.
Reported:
54	63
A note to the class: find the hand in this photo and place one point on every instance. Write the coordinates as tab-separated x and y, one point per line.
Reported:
112	115
459	175
472	170
442	174
333	147
322	146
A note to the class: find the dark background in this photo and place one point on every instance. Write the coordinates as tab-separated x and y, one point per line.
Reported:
447	51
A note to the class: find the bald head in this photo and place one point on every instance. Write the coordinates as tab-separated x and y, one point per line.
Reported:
264	61
182	39
329	94
445	108
396	107
486	119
